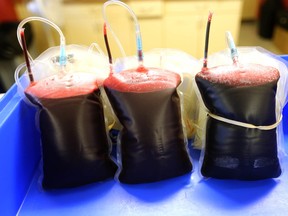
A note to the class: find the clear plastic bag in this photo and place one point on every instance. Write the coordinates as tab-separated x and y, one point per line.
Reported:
65	89
243	131
152	142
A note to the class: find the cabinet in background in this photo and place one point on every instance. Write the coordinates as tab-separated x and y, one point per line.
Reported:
83	24
185	24
163	23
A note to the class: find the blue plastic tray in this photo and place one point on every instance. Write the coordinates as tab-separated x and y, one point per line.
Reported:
20	191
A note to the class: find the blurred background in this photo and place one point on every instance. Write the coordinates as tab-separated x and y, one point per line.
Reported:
164	23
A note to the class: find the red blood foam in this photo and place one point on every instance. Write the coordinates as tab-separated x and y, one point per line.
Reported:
242	75
143	80
68	86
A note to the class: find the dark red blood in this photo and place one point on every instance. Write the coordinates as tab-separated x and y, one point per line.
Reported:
246	94
152	141
75	146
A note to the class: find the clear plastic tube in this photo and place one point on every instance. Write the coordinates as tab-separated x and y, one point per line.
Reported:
137	29
17	79
232	47
62	59
97	47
